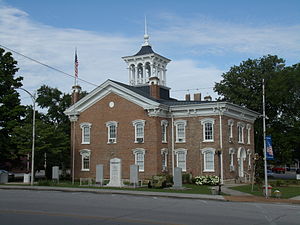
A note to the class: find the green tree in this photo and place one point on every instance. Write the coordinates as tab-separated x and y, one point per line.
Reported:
50	142
242	85
10	109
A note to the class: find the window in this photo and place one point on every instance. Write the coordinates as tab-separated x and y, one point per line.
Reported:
208	129
112	131
85	159
164	156
139	130
180	130
248	134
139	158
86	133
240	132
231	153
230	130
209	159
164	124
249	159
181	158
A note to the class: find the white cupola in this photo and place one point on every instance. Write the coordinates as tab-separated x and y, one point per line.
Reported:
145	64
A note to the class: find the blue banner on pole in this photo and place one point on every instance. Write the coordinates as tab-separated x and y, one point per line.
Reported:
270	154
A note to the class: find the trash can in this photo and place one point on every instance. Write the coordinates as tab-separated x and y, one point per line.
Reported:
3	176
26	178
214	191
269	190
277	193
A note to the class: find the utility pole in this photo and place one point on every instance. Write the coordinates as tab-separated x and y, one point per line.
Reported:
264	136
33	97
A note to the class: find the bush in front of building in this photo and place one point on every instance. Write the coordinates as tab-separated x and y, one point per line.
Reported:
207	180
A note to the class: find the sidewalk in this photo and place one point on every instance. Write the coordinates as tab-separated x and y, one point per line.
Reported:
234	196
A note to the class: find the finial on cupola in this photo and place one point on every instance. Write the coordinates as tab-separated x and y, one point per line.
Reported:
146	36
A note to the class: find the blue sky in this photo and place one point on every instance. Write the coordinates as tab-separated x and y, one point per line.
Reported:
202	38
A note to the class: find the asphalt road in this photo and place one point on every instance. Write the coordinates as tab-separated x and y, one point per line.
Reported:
21	207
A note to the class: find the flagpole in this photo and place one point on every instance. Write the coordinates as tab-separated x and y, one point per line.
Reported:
264	136
76	68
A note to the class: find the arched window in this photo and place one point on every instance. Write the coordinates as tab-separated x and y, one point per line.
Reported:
112	131
208	129
139	158
139	130
181	158
164	155
85	159
180	130
208	159
164	124
86	133
240	127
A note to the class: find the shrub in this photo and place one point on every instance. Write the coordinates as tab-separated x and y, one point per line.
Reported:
207	180
187	178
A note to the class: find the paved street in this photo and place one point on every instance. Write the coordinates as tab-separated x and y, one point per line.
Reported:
47	207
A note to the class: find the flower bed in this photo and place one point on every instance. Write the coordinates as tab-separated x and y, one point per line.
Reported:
207	180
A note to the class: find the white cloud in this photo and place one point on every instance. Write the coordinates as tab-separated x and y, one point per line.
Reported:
100	53
223	37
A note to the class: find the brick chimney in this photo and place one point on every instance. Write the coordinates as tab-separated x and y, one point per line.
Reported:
197	97
188	97
154	87
208	98
75	94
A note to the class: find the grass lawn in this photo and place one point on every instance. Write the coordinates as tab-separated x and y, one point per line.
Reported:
287	191
192	188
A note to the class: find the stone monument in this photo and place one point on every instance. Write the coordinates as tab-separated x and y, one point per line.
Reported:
134	175
55	173
177	178
99	174
115	176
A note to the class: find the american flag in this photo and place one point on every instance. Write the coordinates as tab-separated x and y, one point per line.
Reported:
76	65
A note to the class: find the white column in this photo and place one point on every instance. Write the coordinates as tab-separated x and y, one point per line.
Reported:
129	74
144	74
165	78
151	69
136	75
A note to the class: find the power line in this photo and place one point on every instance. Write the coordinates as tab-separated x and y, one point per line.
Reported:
50	67
85	81
194	89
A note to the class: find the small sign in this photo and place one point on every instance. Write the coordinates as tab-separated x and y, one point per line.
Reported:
270	154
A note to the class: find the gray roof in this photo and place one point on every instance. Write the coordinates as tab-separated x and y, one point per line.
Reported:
145	50
167	101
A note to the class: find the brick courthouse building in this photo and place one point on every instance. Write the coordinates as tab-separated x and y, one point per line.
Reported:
141	124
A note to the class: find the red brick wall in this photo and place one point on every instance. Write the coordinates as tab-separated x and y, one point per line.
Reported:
124	112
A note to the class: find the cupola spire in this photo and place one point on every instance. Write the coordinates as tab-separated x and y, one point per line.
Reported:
146	36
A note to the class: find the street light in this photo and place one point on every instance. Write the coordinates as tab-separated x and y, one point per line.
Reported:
33	97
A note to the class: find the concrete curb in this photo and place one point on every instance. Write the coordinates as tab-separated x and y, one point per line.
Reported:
119	192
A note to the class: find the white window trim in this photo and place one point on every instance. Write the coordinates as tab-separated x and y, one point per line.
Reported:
83	153
232	151
242	125
164	155
176	152
136	152
249	153
203	122
164	123
204	151
82	126
248	127
135	123
109	139
230	124
176	123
